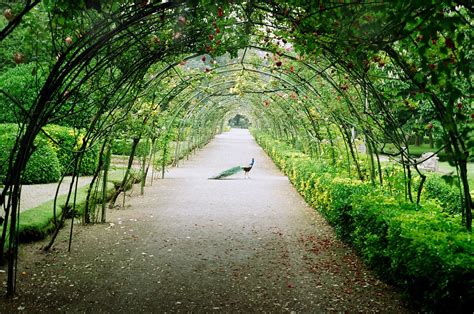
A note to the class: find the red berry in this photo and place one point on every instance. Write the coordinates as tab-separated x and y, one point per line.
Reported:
203	59
67	94
211	37
459	105
18	57
381	64
8	15
292	69
278	63
155	40
472	116
207	70
218	42
218	30
432	66
220	12
449	43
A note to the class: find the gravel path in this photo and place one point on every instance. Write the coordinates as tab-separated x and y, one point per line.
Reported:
36	194
193	244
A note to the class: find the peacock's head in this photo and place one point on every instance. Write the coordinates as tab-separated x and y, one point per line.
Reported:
253	160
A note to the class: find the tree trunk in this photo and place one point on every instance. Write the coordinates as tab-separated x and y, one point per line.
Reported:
143	172
123	184
353	154
66	209
333	155
104	181
86	217
379	166
417	140
430	138
467	195
370	155
164	157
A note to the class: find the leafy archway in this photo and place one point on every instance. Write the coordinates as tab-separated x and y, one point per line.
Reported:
312	74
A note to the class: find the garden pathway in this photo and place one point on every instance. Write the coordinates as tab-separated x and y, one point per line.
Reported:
193	244
37	194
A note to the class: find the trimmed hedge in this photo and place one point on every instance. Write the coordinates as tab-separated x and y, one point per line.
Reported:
51	158
43	165
421	249
67	140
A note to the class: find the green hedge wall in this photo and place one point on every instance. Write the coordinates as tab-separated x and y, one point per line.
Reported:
51	158
43	166
421	249
67	140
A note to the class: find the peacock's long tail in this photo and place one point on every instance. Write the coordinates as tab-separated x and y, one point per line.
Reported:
227	173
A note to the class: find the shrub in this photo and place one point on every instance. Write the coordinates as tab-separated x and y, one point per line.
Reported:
52	157
419	248
89	160
43	165
22	86
448	195
124	147
66	141
63	144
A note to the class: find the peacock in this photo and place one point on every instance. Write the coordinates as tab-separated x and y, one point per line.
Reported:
234	170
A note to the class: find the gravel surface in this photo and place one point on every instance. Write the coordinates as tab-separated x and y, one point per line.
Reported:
36	194
193	244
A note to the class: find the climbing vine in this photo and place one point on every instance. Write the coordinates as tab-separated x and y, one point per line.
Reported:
162	77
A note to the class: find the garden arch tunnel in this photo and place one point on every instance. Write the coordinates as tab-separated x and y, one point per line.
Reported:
304	71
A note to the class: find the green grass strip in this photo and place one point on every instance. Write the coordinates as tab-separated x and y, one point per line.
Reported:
37	222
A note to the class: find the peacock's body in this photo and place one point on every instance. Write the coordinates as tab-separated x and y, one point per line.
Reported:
231	171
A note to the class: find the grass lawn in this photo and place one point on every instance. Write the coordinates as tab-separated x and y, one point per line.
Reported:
37	222
445	167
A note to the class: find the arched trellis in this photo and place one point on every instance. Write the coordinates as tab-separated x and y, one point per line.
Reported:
92	54
243	65
223	71
289	116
